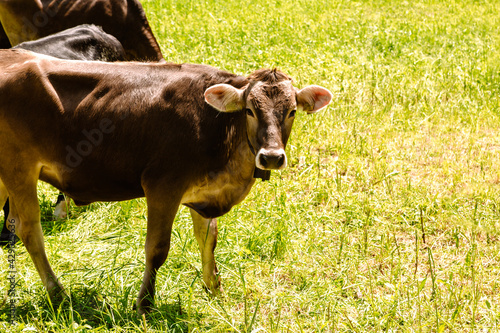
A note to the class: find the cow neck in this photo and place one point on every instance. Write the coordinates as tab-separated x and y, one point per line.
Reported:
265	175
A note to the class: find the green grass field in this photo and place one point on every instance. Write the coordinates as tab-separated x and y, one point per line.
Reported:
386	218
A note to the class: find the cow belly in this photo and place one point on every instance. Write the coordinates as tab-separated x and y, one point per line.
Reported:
117	193
85	189
86	198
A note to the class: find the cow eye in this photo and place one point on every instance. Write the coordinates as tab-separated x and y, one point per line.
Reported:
249	112
292	114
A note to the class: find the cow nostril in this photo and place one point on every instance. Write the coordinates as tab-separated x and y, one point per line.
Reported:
263	160
281	160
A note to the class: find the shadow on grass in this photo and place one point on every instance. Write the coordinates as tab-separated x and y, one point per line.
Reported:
87	308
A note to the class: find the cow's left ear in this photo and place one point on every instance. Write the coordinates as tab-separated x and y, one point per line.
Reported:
225	98
313	98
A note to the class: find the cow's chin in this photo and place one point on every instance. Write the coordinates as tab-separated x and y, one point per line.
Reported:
271	159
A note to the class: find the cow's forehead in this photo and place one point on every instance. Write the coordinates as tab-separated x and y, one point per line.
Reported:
279	94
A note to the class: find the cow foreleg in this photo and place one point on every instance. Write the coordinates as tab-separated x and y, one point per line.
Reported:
25	212
205	231
160	218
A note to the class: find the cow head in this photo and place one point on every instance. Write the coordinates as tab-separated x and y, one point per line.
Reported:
270	102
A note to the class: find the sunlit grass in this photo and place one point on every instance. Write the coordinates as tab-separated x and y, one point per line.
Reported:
387	217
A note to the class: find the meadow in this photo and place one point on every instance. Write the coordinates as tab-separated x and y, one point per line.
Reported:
386	218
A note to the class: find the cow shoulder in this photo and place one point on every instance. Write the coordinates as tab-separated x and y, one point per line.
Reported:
21	68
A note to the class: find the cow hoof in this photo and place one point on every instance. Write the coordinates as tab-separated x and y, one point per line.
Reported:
58	296
142	310
144	307
214	292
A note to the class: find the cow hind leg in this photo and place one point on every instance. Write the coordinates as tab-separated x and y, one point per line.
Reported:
25	212
61	209
205	231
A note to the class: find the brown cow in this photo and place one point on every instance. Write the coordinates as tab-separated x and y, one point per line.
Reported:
25	20
176	134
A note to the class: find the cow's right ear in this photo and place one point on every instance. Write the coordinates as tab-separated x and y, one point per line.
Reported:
225	98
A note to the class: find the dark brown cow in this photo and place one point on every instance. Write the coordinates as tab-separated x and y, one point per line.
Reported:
25	20
176	134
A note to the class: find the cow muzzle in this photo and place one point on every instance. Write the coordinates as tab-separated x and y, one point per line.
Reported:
270	159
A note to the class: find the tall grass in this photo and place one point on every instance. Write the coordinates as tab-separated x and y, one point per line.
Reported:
387	217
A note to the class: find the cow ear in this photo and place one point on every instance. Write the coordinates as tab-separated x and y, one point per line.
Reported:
225	98
313	98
